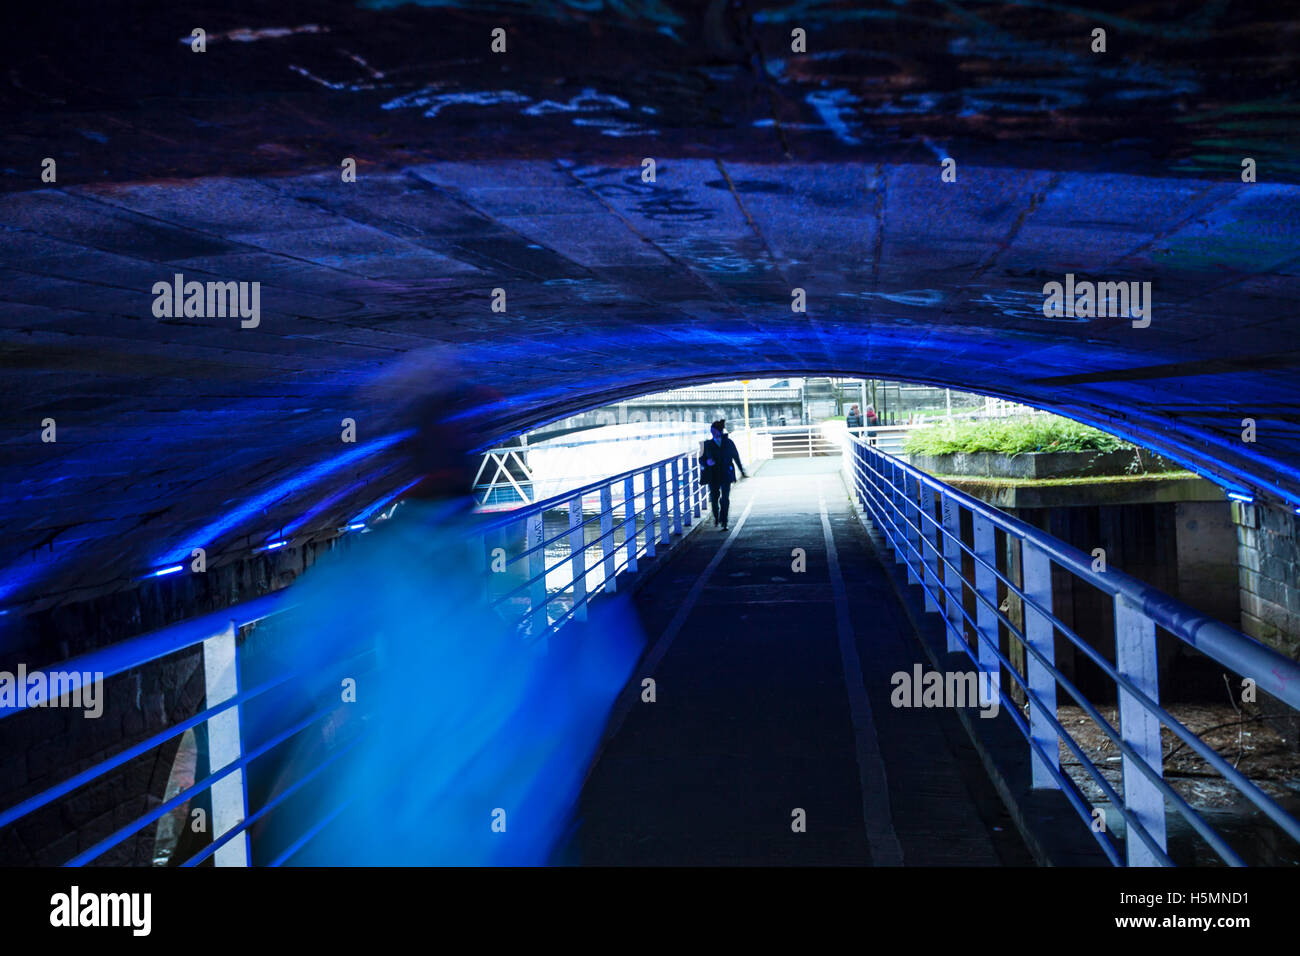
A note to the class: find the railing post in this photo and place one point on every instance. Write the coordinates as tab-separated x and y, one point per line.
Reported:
858	474
1036	573
986	584
875	476
694	467
537	572
952	579
689	490
229	795
578	558
870	486
870	465
911	531
677	497
607	547
895	533
629	521
1135	659
663	504
647	486
929	545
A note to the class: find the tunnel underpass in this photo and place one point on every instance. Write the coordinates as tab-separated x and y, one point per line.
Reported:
276	279
800	218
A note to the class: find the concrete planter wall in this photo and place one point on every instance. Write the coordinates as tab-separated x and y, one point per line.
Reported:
1066	464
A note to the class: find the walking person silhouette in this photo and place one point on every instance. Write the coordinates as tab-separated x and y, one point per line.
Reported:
719	460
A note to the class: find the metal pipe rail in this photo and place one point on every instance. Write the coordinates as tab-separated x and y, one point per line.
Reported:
902	502
888	438
798	441
670	493
670	498
687	396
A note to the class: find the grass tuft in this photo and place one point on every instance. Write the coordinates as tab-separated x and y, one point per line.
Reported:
1011	436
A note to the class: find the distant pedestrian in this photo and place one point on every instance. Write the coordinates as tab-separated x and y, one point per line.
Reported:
854	417
719	460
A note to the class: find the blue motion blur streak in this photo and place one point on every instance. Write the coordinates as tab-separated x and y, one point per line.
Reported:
464	721
206	536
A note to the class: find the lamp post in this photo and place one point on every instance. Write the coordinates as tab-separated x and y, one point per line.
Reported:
749	432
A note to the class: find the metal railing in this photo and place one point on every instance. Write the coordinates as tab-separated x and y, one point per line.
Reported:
920	519
799	441
517	475
503	486
684	396
805	441
888	438
611	516
630	516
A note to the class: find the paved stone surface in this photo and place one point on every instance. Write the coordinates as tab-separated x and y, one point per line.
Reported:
753	716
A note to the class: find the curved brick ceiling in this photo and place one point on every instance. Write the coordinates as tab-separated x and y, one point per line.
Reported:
522	171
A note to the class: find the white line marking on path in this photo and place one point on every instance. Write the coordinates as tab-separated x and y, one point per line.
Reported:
876	811
656	654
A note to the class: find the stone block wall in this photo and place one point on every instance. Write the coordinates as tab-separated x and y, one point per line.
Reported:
1268	569
1268	560
46	746
42	747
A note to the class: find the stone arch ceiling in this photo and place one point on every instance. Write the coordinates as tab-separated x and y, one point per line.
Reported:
522	171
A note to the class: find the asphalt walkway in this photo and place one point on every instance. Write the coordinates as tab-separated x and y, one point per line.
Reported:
771	739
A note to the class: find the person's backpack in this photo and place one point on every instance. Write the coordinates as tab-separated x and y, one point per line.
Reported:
707	471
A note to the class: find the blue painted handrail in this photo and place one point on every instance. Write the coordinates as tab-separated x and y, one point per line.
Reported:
1235	650
901	500
674	500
